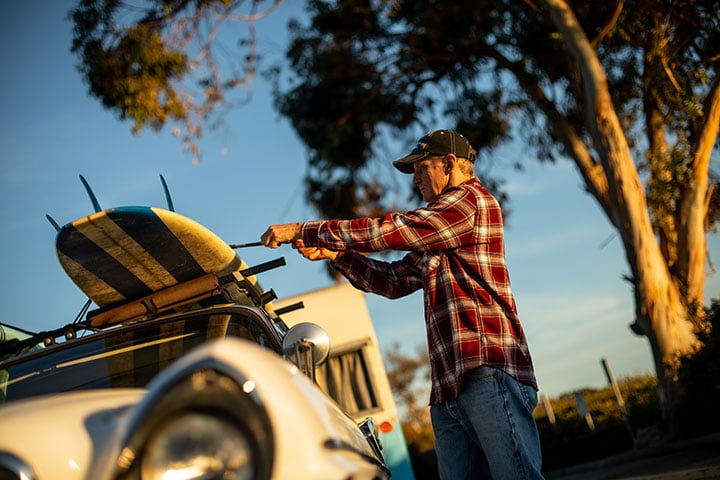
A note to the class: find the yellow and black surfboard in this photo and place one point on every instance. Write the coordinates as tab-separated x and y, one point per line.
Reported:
126	253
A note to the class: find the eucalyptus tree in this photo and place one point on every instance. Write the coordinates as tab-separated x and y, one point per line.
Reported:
628	91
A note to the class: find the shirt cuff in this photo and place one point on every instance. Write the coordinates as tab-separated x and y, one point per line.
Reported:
310	232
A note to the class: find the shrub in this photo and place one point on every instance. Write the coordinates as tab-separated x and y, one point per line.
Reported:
699	376
570	441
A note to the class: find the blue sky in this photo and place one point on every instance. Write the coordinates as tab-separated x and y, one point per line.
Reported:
573	303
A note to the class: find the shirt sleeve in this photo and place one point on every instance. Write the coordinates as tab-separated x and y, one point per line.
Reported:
389	279
448	222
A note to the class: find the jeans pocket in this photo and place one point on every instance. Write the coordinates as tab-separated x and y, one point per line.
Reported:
529	395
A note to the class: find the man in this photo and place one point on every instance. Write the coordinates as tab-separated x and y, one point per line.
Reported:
483	384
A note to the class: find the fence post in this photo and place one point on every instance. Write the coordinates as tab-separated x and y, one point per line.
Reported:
618	396
549	412
584	411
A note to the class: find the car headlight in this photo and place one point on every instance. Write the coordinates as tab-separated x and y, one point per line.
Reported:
197	446
203	423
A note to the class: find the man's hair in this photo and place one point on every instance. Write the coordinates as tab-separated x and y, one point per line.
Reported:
466	166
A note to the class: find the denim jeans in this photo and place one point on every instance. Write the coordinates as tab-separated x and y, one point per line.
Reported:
488	432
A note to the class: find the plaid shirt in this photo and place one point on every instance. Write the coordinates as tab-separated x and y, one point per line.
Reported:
457	256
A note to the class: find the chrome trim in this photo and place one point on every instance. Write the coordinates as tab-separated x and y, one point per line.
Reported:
16	466
369	429
335	444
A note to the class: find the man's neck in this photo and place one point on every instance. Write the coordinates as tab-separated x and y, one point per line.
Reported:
457	178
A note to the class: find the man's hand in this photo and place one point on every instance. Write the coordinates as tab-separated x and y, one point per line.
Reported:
281	233
314	253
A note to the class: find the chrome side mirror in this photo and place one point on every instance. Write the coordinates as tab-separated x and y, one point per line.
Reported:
307	346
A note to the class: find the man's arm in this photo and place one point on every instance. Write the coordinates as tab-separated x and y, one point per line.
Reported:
391	280
446	223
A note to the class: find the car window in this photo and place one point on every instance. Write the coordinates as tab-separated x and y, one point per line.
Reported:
121	358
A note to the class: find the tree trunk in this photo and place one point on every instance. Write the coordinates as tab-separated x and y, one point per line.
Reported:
661	310
663	317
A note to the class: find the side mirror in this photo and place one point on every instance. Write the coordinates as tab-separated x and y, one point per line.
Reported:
307	346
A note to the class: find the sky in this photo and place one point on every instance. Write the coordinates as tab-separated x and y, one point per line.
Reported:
565	266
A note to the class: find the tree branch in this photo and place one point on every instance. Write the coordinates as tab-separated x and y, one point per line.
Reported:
708	133
591	171
608	26
695	204
626	196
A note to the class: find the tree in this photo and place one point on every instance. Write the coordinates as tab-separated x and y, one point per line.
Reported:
161	61
403	372
408	376
628	91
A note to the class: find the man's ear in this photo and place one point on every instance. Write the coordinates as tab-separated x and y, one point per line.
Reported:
450	160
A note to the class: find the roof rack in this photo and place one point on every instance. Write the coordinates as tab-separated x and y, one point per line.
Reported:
235	287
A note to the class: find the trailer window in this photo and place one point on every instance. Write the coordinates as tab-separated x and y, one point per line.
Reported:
346	379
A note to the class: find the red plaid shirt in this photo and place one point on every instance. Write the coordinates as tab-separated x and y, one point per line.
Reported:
457	256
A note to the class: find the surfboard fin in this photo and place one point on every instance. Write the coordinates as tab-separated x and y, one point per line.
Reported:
89	191
53	222
167	194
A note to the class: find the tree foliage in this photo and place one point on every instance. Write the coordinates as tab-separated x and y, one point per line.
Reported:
404	373
409	379
569	441
699	376
160	61
363	68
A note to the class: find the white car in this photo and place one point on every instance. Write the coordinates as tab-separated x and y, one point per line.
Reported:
216	392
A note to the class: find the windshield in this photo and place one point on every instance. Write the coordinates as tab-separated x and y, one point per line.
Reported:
126	357
10	340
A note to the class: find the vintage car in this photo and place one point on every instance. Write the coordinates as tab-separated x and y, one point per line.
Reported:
190	395
196	395
199	380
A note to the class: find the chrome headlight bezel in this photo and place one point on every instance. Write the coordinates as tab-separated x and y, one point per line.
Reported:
204	390
13	465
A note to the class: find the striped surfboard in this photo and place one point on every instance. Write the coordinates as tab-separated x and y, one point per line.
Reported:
126	253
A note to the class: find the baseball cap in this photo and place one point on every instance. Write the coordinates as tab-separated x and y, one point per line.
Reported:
438	142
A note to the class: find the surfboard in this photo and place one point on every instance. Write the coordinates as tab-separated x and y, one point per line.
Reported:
126	253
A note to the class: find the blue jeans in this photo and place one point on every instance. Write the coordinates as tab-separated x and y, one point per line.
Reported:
488	432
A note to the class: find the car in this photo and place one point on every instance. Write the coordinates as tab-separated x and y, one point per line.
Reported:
202	379
208	393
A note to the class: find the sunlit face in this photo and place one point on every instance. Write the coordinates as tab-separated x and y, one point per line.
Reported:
430	176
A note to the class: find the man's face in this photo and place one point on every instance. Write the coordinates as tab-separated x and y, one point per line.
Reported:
430	176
